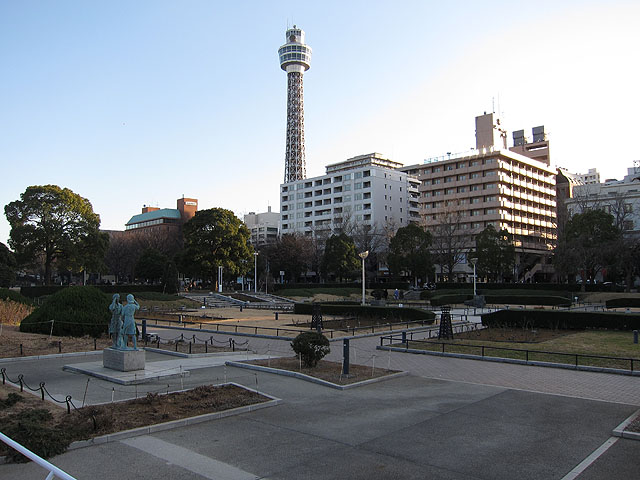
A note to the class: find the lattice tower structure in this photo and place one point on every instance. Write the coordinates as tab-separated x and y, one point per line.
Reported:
295	59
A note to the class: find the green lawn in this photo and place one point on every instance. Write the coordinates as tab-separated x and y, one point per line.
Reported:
593	342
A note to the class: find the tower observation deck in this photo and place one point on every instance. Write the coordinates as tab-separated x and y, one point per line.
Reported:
295	59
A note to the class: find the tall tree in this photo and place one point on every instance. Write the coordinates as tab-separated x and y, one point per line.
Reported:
213	238
495	252
450	242
340	256
588	244
151	265
409	252
291	254
8	266
58	224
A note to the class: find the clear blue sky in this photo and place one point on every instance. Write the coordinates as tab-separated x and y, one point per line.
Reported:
133	103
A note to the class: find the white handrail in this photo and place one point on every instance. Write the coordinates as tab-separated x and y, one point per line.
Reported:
53	470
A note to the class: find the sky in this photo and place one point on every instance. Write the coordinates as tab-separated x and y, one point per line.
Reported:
139	103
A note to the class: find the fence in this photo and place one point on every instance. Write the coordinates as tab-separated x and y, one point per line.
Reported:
576	360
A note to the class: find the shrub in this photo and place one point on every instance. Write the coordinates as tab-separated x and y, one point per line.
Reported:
450	299
6	294
623	302
30	428
561	319
527	300
43	290
76	311
311	346
366	311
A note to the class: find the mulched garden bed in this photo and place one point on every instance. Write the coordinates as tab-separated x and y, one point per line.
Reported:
48	430
326	370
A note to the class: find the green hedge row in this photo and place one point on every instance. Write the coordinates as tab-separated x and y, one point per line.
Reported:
561	319
623	302
370	285
75	311
359	311
556	287
6	294
449	299
42	290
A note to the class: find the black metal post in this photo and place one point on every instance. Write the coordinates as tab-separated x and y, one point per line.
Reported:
144	328
345	356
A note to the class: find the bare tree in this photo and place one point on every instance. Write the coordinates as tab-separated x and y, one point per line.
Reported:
450	241
620	209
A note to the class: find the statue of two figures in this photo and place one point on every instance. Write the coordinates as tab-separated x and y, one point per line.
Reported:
123	325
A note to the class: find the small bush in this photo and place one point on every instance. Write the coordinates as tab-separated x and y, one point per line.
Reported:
10	401
312	347
30	429
6	294
76	312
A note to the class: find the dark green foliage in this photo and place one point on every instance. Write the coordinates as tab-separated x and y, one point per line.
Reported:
213	238
450	299
170	278
527	300
30	429
58	226
587	245
76	311
156	296
495	253
312	347
409	252
623	302
151	265
8	266
44	290
359	311
340	257
10	401
561	319
6	294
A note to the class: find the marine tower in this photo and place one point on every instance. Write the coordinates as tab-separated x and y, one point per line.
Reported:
295	59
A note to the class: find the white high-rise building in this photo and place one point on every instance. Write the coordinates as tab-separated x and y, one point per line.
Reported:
363	190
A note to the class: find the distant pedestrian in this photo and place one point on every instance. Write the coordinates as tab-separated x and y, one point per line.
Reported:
396	294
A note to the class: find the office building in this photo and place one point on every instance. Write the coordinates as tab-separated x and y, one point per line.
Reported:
263	227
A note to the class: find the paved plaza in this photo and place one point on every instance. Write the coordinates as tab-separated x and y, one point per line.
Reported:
449	418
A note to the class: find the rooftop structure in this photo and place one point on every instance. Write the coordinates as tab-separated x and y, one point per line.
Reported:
490	185
163	218
295	59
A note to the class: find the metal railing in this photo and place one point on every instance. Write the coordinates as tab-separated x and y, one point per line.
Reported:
52	469
525	355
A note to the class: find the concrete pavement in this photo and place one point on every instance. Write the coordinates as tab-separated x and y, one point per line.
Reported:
452	418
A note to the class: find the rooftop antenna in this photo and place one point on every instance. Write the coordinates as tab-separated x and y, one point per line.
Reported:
493	105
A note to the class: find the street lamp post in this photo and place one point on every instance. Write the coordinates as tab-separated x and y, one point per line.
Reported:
474	260
255	275
363	255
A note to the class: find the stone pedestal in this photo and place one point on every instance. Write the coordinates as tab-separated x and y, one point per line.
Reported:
123	360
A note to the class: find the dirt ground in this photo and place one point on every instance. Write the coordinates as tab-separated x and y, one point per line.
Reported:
37	344
325	370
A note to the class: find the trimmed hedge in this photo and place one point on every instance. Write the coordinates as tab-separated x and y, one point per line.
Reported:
527	300
369	285
623	302
6	294
561	319
359	311
43	290
451	299
556	287
76	312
